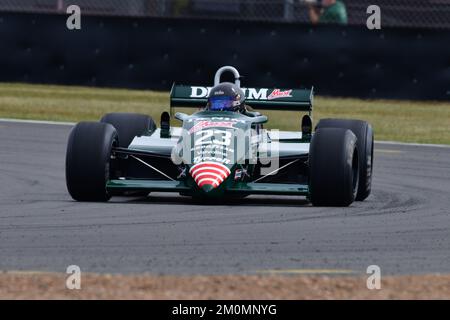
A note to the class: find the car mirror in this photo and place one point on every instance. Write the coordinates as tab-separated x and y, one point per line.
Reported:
259	119
181	116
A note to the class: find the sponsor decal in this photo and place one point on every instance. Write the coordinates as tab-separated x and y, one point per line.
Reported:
215	159
250	93
212	148
200	92
215	119
210	124
209	173
255	94
277	94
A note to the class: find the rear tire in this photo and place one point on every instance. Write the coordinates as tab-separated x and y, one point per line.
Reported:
88	160
333	161
364	133
129	125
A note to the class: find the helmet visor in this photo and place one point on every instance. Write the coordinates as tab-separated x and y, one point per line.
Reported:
222	103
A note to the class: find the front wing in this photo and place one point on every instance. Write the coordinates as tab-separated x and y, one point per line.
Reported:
237	188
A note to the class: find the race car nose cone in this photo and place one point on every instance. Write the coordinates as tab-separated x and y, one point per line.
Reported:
209	175
207	187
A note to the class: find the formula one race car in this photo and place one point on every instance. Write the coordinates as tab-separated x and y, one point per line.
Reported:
222	150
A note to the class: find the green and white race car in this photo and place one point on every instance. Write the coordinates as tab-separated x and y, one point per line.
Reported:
222	152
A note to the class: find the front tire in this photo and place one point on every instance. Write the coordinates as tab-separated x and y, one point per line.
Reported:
333	161
88	160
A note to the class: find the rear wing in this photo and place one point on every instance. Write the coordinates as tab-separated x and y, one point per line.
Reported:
257	98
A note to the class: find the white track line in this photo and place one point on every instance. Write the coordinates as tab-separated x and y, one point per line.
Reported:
376	141
59	123
395	143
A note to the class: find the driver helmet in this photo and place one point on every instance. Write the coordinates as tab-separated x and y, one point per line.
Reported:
226	97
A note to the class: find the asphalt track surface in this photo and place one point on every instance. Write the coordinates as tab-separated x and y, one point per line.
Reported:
403	227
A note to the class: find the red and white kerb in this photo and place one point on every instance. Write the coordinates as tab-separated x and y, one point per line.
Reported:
209	173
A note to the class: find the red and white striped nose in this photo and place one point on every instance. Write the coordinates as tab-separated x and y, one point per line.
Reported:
209	175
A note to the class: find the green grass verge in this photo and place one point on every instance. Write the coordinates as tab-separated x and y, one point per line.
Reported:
423	122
